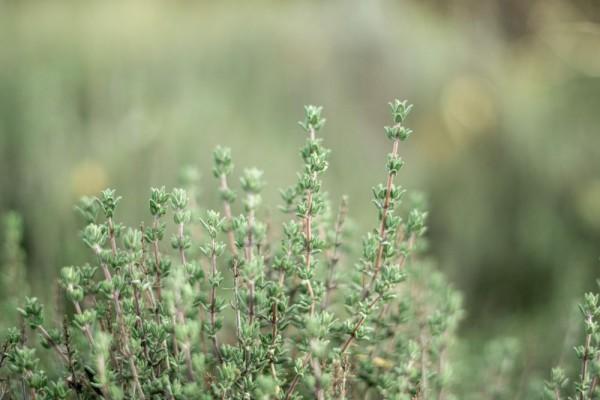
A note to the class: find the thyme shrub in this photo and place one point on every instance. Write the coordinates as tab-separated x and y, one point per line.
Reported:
203	304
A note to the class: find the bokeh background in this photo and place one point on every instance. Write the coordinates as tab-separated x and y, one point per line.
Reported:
506	117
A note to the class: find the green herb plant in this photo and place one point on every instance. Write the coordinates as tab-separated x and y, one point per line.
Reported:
218	304
585	386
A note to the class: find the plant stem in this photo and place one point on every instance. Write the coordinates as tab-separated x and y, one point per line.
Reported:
157	261
119	315
213	301
52	343
308	232
319	392
296	378
382	227
228	215
224	187
586	358
335	258
357	327
180	314
86	328
592	387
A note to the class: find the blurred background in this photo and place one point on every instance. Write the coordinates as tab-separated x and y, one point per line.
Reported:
506	145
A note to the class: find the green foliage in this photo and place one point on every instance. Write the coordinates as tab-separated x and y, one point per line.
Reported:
233	312
12	267
585	387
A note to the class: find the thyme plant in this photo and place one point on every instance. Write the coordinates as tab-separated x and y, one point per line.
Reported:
205	304
585	386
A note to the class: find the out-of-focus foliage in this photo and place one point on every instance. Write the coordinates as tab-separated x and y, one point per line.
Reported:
508	93
12	267
300	321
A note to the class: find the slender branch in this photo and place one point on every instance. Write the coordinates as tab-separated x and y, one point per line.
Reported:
236	293
308	233
86	327
592	387
154	305
357	327
308	248
53	344
119	314
586	358
224	186
401	263
213	302
228	215
180	315
382	227
424	383
157	261
69	351
335	258
319	391
296	379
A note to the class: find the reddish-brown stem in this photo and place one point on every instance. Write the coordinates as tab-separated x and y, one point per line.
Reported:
157	261
119	314
586	359
224	186
592	388
139	322
228	215
296	379
335	258
53	344
274	321
180	315
248	253
319	392
308	232
86	328
357	327
213	303
238	316
153	304
382	227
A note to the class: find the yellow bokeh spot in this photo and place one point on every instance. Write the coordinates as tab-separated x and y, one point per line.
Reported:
588	203
468	107
88	178
382	363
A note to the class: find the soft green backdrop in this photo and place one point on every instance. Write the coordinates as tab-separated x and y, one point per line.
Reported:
507	109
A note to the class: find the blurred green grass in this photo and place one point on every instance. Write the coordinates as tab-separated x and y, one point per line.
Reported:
123	94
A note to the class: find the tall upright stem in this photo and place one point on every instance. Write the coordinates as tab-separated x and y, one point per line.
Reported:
157	261
308	233
180	314
119	314
335	258
586	359
224	186
213	302
382	227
